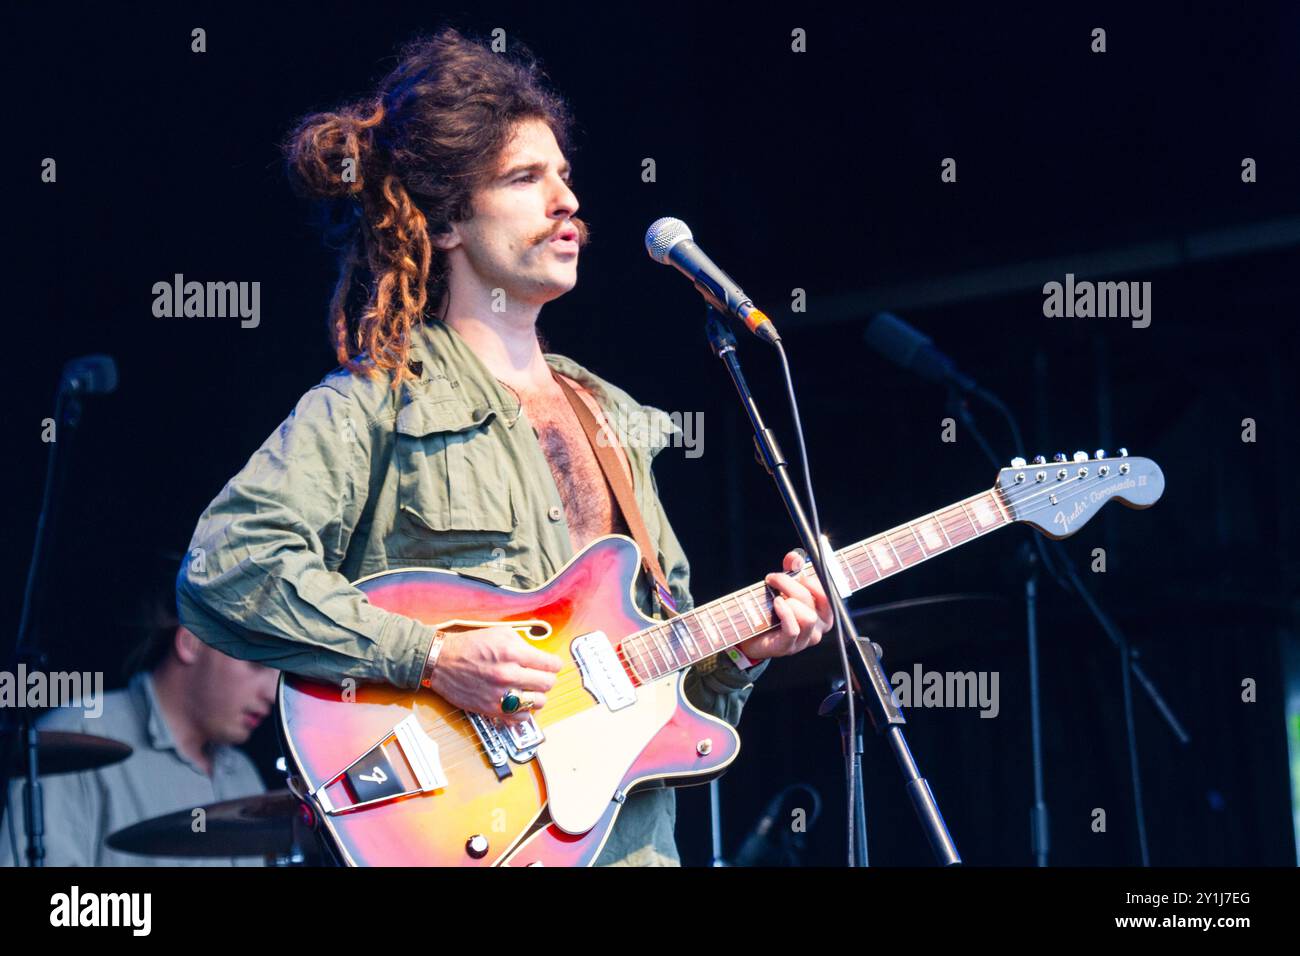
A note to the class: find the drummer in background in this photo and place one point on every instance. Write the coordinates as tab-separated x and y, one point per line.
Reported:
184	710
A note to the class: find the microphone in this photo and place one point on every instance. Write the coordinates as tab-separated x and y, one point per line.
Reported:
758	848
907	347
669	242
90	375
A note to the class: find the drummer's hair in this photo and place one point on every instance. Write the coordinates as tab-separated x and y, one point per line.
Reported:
400	165
155	619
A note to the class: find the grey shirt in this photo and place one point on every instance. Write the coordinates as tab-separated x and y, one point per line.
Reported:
81	809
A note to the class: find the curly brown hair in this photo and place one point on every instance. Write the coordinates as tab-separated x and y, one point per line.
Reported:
402	164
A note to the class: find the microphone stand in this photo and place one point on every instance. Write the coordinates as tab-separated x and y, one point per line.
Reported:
1031	559
28	654
869	687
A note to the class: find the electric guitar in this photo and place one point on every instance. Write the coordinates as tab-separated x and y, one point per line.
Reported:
400	777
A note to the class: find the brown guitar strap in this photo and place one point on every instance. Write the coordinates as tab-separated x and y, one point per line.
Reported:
623	492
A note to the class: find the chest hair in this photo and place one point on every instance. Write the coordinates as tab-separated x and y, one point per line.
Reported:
588	502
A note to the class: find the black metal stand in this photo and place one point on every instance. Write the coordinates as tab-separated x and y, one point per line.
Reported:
27	652
1129	667
94	374
1039	833
871	687
835	705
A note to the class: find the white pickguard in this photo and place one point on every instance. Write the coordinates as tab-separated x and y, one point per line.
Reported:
586	756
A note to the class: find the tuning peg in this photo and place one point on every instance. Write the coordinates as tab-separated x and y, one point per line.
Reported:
1018	463
1099	454
1039	460
1059	457
1122	453
1080	456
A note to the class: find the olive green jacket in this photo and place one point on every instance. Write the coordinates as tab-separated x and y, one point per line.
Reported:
439	473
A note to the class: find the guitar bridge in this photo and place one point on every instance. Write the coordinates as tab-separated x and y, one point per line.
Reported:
404	762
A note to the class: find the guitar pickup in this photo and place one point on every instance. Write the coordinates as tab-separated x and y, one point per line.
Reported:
602	671
404	762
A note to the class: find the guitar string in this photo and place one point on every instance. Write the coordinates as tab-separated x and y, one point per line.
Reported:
468	744
568	692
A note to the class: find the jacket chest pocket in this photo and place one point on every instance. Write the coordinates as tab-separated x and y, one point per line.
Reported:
454	483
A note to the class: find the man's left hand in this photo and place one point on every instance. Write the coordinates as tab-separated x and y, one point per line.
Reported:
803	609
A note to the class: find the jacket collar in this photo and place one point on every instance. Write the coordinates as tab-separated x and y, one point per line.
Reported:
455	390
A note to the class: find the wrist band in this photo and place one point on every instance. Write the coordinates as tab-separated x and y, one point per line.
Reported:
740	658
430	662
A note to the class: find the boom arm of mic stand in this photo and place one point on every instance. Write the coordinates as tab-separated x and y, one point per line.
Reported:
886	716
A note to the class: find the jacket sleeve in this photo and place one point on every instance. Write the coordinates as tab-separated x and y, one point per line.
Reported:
260	581
717	685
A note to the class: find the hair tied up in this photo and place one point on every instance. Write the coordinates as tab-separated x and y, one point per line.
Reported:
331	153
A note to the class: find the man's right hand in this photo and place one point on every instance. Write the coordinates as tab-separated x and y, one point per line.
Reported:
477	667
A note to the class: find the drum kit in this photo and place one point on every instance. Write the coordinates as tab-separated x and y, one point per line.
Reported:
278	825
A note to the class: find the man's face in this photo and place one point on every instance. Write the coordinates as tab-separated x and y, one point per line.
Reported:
233	696
522	237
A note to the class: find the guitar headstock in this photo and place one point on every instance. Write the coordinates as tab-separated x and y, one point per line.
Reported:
1059	497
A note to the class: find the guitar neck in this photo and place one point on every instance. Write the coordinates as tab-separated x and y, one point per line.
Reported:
700	633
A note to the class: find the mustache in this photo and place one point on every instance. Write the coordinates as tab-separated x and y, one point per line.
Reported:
584	233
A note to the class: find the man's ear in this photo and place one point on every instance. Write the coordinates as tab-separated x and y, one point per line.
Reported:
186	645
447	240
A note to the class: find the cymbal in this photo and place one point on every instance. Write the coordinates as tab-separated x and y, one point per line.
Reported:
260	825
927	601
62	752
934	624
909	629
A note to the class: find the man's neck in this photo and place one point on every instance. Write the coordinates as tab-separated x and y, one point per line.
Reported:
169	688
506	342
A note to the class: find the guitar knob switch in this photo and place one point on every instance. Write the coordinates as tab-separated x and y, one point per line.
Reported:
1059	457
477	846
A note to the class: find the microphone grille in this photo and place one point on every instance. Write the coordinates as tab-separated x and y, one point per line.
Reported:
662	235
94	374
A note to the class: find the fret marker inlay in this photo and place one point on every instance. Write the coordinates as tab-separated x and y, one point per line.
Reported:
882	556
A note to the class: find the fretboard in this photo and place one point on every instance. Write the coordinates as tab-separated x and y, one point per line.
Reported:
705	630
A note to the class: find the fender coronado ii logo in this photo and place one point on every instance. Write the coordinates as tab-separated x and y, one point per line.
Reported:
1063	520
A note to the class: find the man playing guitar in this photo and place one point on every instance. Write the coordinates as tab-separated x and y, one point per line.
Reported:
449	438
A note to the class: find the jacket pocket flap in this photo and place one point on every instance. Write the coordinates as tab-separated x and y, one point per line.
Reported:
420	418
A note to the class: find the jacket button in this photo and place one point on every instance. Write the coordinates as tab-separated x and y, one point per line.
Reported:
555	514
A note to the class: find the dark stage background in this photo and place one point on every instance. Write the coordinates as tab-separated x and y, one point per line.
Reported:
818	171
